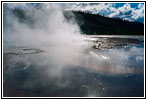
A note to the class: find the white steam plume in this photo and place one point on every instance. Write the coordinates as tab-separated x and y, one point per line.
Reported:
49	30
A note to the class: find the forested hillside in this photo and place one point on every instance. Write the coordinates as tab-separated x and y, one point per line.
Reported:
98	24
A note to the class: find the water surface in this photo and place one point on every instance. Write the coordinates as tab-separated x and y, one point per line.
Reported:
109	66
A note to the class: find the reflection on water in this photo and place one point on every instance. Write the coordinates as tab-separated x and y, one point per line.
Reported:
109	66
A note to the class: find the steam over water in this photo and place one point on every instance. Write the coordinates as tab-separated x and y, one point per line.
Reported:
45	54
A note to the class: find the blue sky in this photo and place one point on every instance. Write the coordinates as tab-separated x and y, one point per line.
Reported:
133	5
125	11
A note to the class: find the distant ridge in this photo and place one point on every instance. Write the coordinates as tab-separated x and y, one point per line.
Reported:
95	24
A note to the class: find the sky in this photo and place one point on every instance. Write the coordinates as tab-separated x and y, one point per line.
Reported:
125	11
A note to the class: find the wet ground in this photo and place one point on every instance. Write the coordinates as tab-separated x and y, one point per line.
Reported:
109	67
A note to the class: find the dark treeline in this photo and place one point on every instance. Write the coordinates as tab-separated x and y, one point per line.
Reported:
100	25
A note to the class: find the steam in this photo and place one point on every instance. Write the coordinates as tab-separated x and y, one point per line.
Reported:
48	26
49	44
118	61
48	30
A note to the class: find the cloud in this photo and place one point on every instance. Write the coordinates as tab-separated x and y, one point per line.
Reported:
125	12
93	8
128	13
